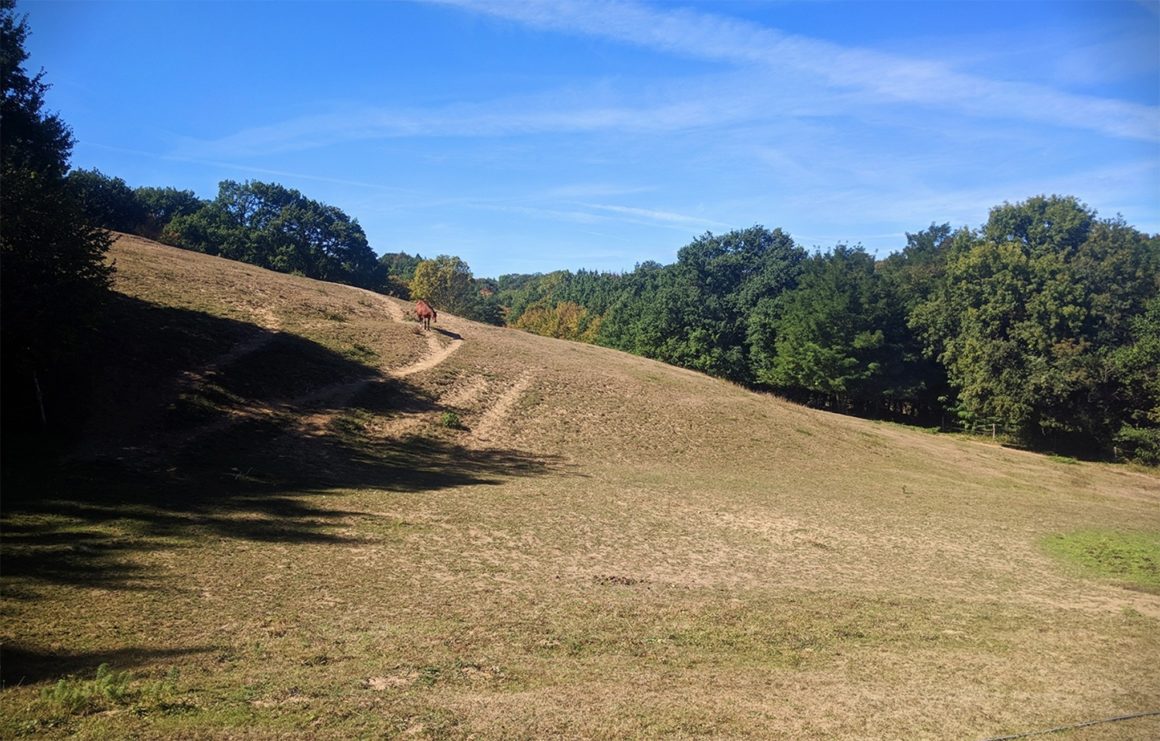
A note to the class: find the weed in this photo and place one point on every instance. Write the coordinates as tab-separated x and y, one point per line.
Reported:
73	696
451	421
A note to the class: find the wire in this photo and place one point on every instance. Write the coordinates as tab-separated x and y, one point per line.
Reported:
1085	724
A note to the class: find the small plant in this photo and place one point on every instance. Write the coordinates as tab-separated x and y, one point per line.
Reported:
81	696
451	421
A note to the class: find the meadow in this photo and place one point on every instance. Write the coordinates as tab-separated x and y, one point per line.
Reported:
295	514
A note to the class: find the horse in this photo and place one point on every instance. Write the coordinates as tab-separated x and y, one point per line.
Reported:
425	313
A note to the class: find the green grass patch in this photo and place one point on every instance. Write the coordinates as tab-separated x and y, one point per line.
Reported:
77	696
1133	558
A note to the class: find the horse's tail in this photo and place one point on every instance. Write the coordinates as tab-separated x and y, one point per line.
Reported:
434	315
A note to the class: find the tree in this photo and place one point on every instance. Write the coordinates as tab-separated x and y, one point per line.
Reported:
837	334
720	281
1137	366
399	269
565	320
53	276
107	201
275	227
446	283
697	312
162	205
918	388
1030	314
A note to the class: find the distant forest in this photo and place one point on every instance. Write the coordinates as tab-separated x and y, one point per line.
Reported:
1042	326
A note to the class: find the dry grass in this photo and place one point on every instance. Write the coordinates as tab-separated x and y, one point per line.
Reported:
607	548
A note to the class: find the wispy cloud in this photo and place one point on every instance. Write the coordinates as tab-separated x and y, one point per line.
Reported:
874	76
773	74
573	110
657	216
596	213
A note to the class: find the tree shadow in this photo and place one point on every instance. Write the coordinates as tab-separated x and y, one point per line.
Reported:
179	461
21	665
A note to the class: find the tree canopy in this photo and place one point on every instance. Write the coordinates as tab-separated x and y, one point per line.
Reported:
1041	323
446	282
53	276
1029	316
276	227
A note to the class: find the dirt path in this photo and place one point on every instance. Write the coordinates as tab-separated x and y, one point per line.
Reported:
336	395
437	353
491	420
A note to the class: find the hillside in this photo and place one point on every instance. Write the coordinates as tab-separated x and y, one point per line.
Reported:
295	513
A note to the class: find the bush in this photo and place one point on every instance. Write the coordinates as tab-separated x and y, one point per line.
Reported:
1139	444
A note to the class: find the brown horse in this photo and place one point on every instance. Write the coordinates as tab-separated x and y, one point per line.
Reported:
425	313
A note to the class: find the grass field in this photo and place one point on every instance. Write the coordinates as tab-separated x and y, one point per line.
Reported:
271	529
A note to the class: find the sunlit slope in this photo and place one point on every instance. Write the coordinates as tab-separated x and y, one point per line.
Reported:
345	527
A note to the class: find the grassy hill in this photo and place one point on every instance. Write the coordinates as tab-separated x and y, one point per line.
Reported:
293	513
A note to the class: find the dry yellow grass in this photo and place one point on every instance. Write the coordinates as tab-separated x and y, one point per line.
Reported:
609	547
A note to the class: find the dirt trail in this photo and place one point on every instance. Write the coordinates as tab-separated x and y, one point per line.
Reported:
491	420
337	395
437	353
465	395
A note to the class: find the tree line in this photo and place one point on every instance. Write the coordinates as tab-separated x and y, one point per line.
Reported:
279	228
1043	324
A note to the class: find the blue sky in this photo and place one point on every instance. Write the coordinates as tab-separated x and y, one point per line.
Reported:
534	136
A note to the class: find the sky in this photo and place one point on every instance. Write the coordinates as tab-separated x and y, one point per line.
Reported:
531	136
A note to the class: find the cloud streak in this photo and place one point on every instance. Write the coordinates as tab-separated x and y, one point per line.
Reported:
874	76
772	75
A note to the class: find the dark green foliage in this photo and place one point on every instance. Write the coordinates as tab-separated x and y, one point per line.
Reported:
162	205
593	290
839	337
697	313
918	387
486	305
275	227
1136	366
53	277
107	201
1029	316
399	268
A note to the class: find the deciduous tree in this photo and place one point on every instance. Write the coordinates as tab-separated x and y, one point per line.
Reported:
53	275
446	283
1029	317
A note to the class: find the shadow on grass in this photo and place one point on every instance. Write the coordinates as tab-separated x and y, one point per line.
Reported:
23	665
260	477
